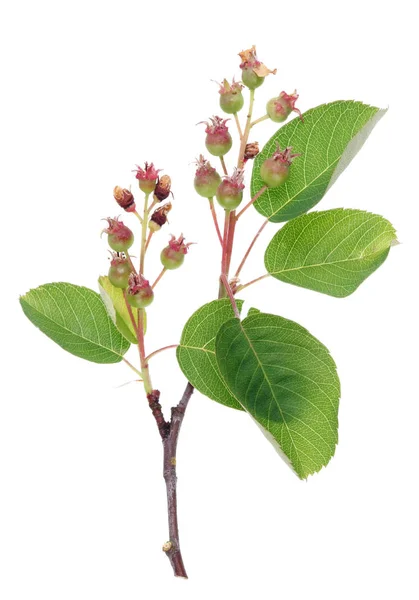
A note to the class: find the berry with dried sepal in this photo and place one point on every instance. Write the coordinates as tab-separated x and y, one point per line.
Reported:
230	191
139	293
147	177
218	141
253	71
206	179
276	169
119	271
163	188
251	150
159	217
231	97
173	255
120	237
124	198
279	108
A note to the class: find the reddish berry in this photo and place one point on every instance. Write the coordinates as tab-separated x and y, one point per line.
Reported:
253	71
139	293
162	189
119	271
230	190
147	177
218	140
207	179
120	237
281	107
275	170
173	255
231	97
124	198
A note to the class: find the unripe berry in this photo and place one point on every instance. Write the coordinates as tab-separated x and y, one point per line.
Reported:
279	108
139	294
119	271
124	198
159	217
218	140
230	190
275	170
173	255
253	71
231	97
120	237
147	177
206	179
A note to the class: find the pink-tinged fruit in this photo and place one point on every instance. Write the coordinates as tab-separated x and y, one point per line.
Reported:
231	97
276	169
279	108
230	190
173	255
124	198
253	70
139	293
218	140
119	271
147	177
120	237
206	179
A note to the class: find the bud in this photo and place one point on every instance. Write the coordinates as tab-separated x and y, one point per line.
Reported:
218	140
120	237
279	108
173	255
147	177
207	179
139	293
162	189
251	150
230	190
159	217
231	97
253	71
124	198
275	170
119	271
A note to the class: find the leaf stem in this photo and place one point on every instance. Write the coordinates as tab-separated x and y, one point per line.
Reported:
131	366
253	242
242	287
259	120
255	197
214	218
147	358
163	271
230	295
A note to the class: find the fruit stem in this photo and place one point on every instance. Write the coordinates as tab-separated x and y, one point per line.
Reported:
239	129
160	350
144	234
245	135
150	235
255	197
259	120
253	242
163	271
131	264
223	164
214	218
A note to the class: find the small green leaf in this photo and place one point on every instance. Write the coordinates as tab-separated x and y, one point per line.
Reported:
331	251
328	139
286	379
196	351
114	301
76	319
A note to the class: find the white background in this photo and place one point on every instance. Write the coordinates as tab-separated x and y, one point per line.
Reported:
91	88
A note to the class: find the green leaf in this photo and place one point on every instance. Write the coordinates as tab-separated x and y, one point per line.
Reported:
196	352
328	139
76	318
114	301
331	251
286	379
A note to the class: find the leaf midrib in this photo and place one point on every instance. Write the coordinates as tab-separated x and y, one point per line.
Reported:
335	262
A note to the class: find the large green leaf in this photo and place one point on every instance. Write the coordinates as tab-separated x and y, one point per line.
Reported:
114	301
328	139
196	351
76	318
331	251
286	379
